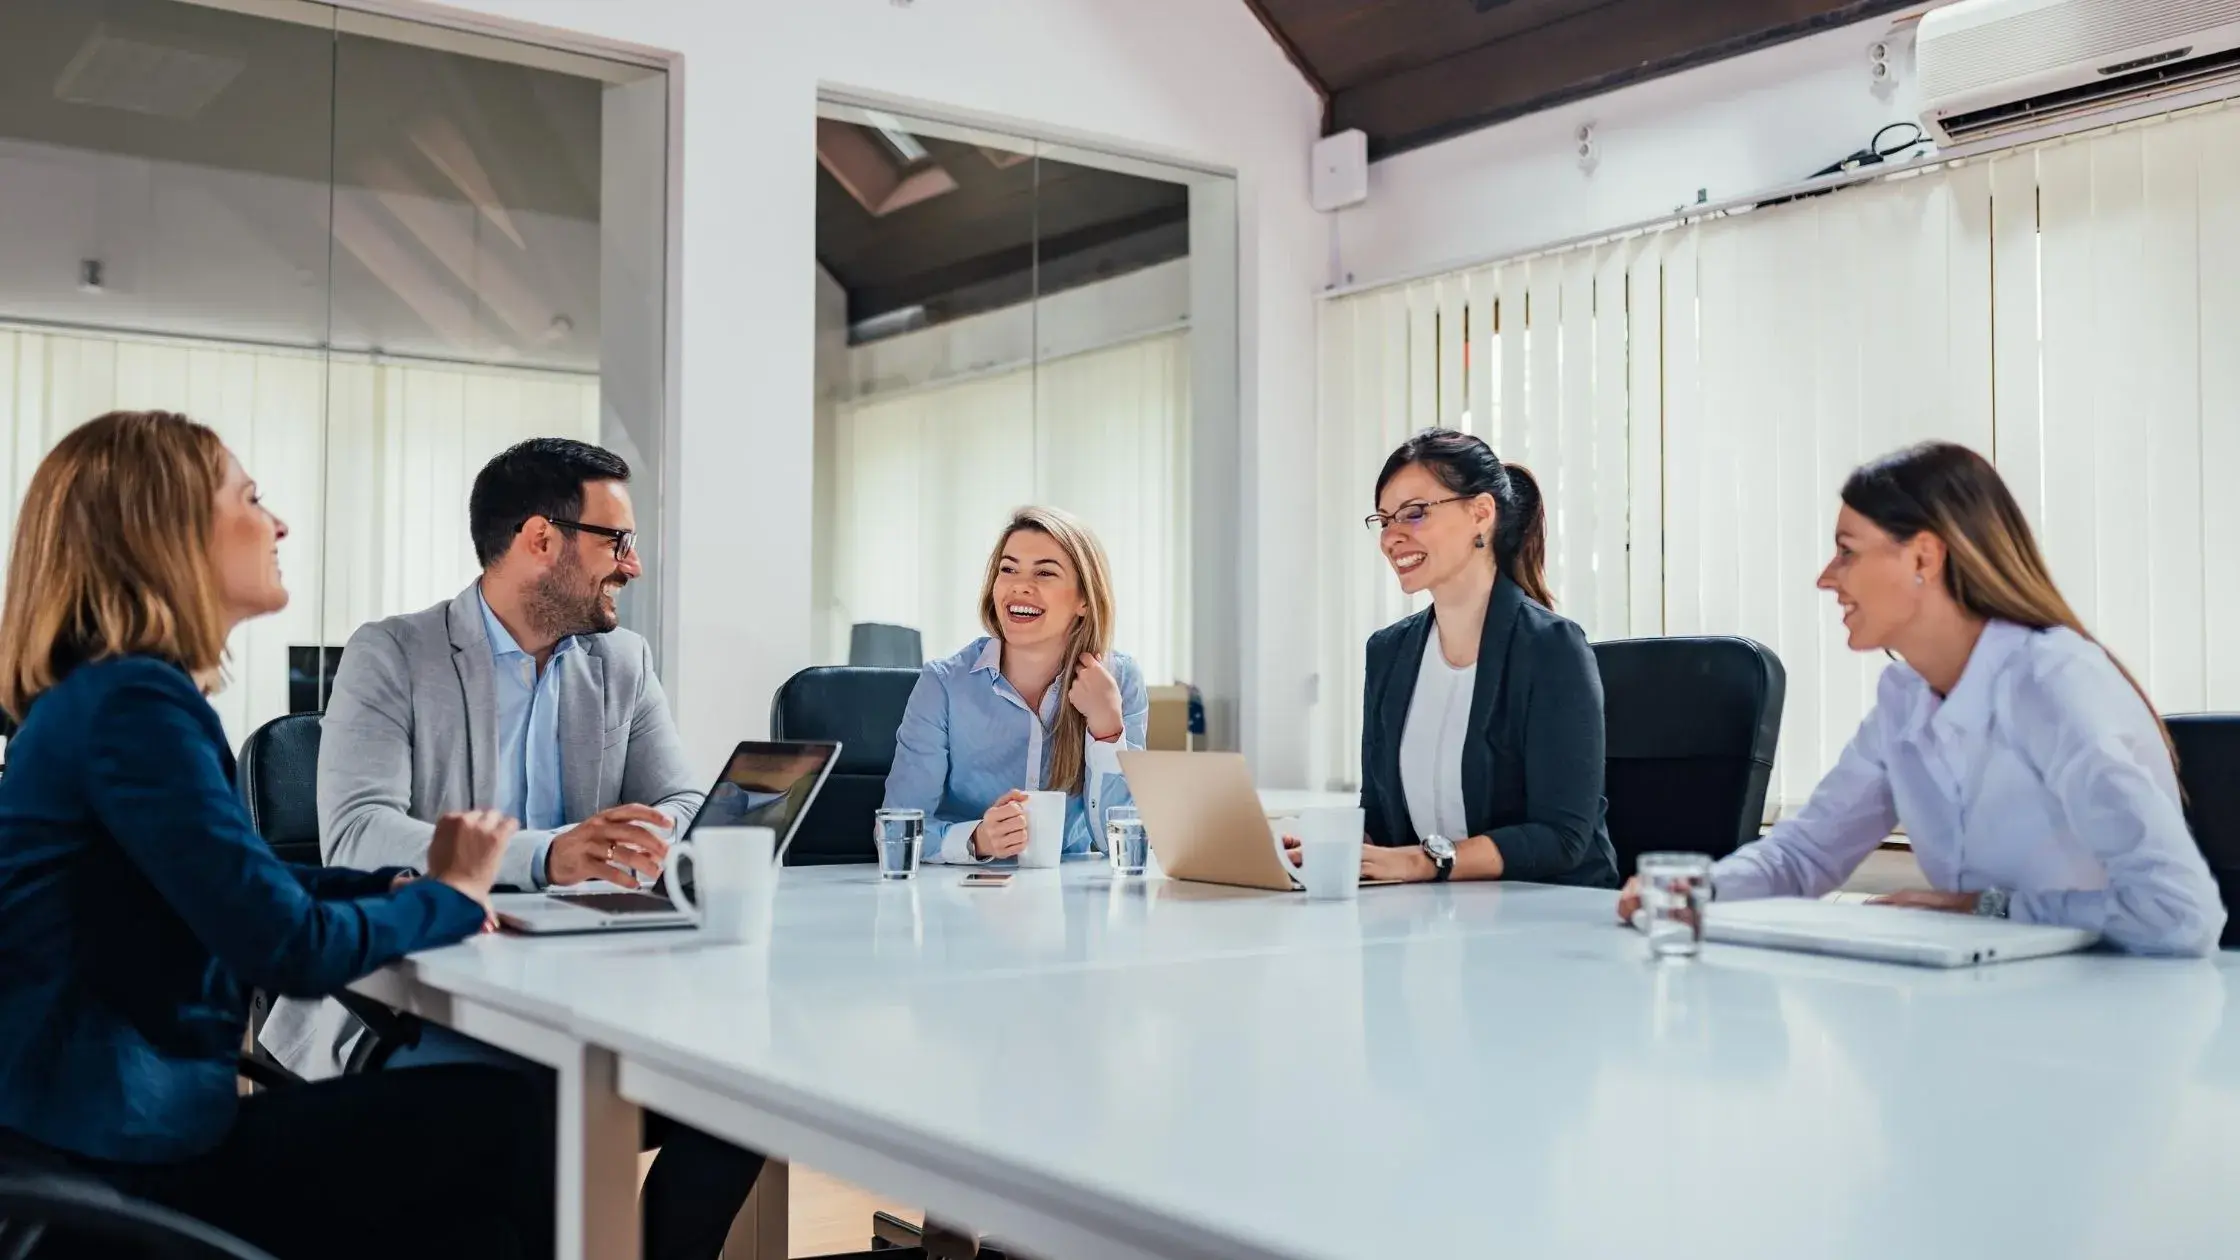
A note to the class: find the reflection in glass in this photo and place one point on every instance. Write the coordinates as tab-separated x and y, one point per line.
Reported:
997	327
369	253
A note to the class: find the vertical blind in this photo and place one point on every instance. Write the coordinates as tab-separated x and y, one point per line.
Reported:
1693	398
924	481
368	461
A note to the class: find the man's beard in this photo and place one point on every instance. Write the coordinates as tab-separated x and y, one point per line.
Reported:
565	602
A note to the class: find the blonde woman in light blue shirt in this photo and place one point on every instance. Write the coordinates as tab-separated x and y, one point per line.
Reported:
2031	773
1041	703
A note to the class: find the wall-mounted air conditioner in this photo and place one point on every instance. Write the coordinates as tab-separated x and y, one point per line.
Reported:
1994	69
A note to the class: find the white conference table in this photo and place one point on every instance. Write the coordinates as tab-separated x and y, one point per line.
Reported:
1090	1067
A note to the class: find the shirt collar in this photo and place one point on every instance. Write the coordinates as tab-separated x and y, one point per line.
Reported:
990	662
502	642
991	658
1968	709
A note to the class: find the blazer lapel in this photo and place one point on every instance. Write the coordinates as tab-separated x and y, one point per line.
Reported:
470	656
583	728
1392	718
1493	655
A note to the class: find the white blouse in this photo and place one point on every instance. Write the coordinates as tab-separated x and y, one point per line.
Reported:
2043	774
1431	745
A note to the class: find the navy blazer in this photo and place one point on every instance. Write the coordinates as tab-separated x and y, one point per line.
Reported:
138	905
1532	766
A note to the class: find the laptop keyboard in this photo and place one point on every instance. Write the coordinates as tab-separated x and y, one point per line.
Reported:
617	902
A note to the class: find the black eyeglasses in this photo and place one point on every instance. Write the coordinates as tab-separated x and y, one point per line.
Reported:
1410	514
625	540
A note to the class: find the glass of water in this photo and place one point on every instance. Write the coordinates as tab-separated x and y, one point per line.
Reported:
1125	846
898	834
1675	888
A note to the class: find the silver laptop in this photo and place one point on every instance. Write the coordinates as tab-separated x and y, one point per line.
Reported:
1925	938
763	785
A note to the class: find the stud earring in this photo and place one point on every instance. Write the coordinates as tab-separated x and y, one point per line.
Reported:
1918	580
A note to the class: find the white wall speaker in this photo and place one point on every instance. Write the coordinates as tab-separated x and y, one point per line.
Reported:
1341	170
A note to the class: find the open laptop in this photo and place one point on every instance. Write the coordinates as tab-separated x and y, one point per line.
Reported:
763	785
1204	821
1924	938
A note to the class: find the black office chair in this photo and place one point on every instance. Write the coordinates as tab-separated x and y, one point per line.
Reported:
877	646
1690	726
860	708
279	780
2209	771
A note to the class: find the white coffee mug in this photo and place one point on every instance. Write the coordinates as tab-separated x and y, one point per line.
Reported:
733	881
1330	853
1046	829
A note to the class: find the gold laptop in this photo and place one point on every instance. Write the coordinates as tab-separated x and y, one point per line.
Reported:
1204	820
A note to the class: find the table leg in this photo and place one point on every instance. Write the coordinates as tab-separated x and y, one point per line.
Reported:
762	1230
596	1186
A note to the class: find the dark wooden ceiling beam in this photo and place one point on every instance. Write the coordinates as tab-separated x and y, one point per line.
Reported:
1166	228
1596	49
1297	59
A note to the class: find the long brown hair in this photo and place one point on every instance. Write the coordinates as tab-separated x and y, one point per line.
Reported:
1992	564
112	554
1091	635
1466	466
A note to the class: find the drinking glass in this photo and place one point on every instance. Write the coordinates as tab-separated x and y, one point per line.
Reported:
1125	845
898	834
1675	888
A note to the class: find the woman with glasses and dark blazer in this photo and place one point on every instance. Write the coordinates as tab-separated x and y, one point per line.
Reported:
1481	733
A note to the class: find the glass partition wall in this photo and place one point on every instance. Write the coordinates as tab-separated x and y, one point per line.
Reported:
1004	321
370	253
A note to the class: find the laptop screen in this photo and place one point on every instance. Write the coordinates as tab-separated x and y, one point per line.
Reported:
767	785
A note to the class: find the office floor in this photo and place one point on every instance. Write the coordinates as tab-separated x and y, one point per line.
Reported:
829	1216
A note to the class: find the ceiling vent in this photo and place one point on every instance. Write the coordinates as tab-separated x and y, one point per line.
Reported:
146	74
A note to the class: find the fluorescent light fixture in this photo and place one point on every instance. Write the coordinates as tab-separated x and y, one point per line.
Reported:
905	145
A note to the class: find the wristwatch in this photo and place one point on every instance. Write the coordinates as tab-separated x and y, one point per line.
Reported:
1991	903
1441	852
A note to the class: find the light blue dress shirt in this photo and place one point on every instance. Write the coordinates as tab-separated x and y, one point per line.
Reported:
968	737
528	736
2043	773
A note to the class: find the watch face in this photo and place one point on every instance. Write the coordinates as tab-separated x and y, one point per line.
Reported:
1440	847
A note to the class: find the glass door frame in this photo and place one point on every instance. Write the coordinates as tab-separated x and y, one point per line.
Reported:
1221	497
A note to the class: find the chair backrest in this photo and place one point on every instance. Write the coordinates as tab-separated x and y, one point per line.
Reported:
280	785
885	647
861	708
1690	726
2209	771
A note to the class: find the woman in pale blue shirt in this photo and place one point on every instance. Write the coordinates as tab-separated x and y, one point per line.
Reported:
2033	777
1041	704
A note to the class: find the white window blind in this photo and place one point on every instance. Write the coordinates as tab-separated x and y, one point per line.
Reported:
367	461
2058	308
925	479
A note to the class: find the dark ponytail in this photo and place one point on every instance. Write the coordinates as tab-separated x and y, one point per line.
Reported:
1466	466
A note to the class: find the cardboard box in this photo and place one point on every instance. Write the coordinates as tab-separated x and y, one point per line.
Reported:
1170	720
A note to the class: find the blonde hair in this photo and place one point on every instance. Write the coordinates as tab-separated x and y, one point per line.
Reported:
112	555
1993	567
1091	635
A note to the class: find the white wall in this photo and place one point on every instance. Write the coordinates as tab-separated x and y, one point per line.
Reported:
1731	129
1192	79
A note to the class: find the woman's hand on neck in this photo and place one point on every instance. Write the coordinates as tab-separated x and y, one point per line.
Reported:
1459	609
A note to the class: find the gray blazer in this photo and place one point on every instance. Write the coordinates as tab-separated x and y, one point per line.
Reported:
411	733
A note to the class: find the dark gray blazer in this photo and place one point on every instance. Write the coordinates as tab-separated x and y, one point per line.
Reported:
1532	769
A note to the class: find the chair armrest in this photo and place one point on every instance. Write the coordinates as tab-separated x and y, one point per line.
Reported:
387	1032
265	1075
